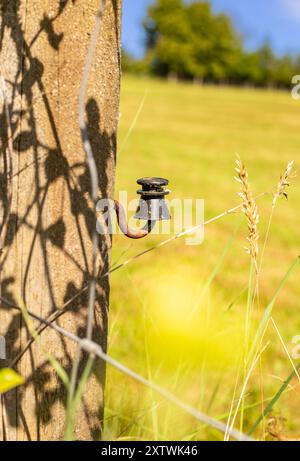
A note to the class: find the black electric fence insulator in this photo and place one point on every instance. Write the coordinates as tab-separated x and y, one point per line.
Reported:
152	205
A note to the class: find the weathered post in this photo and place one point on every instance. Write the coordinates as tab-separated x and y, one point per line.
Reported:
46	257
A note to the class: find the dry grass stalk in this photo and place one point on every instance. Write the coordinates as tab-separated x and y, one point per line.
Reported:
284	182
249	207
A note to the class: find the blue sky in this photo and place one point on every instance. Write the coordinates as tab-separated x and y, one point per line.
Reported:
277	21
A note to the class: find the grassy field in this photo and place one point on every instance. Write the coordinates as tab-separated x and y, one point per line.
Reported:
167	322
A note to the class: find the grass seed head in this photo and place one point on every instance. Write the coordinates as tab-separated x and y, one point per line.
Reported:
284	182
249	207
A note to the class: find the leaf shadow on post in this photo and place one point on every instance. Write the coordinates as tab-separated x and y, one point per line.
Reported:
47	165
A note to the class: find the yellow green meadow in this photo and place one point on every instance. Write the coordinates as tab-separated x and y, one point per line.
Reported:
178	313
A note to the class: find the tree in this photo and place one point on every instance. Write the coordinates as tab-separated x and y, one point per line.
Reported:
190	40
167	37
214	42
284	70
132	65
267	63
247	69
46	257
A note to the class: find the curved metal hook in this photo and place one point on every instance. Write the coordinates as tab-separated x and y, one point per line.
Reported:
133	234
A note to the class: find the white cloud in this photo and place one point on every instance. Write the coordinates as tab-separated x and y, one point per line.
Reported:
292	7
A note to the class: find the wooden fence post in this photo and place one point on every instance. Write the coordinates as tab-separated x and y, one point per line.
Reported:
47	252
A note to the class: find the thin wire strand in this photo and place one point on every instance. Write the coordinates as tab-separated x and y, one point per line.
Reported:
90	158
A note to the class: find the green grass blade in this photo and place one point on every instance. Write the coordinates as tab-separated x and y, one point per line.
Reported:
59	369
133	123
73	404
56	365
276	397
268	312
235	300
85	376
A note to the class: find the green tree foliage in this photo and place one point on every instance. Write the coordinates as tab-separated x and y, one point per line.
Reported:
134	66
187	40
168	38
214	43
284	69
